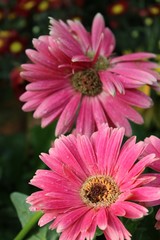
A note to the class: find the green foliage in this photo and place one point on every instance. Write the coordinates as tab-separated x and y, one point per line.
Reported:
22	208
29	220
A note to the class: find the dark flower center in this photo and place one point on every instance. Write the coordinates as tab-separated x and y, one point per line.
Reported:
87	82
99	191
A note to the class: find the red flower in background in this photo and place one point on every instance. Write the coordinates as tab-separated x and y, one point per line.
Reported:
80	3
2	14
12	42
5	35
17	82
23	7
150	11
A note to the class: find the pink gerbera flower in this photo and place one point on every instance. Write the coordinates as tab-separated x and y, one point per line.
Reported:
75	78
153	146
91	182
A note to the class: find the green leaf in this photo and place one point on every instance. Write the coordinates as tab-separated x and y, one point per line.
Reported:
44	233
98	232
26	217
52	234
22	208
40	234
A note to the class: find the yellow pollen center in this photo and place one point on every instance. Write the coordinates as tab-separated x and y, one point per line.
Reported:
99	191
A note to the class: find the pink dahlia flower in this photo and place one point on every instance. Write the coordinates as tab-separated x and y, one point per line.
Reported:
74	77
153	146
91	182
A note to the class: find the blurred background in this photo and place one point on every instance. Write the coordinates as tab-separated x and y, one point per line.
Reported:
136	25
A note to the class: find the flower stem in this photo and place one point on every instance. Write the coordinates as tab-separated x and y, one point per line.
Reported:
29	225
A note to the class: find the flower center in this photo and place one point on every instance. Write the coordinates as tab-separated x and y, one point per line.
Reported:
87	82
99	191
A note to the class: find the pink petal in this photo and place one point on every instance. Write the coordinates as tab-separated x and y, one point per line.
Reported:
83	35
54	101
127	159
139	167
132	210
116	230
157	225
37	57
85	121
66	148
145	194
100	140
98	112
61	32
116	116
42	46
46	85
81	58
68	115
102	218
136	98
64	221
41	75
92	229
108	43
158	215
109	87
46	218
86	222
111	83
128	82
27	96
85	149
143	76
31	105
46	120
133	57
113	150
98	26
152	146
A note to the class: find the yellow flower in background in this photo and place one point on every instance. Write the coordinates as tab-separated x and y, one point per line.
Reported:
43	6
16	47
117	9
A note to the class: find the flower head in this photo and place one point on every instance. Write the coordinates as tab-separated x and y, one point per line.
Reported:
74	77
153	146
86	186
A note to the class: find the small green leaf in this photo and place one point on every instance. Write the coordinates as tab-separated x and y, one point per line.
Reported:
22	208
